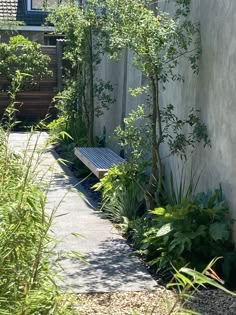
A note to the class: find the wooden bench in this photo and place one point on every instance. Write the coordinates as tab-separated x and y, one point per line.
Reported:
98	160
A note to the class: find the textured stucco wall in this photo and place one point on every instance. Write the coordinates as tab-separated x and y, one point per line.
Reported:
213	91
216	95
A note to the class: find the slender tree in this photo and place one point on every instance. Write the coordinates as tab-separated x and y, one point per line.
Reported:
157	41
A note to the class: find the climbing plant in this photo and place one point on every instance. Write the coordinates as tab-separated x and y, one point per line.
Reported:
85	43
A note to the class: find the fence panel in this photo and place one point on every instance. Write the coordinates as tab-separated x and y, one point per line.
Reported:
35	104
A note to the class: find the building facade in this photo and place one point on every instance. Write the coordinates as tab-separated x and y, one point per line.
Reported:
26	17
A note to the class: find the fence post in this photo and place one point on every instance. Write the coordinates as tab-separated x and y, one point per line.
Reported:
59	64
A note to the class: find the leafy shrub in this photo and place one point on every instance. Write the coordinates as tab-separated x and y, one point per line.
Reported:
23	55
125	203
66	100
68	130
194	232
66	133
122	195
82	55
123	186
134	138
57	129
70	121
137	228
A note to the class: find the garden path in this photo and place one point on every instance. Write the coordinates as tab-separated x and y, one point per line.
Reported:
110	263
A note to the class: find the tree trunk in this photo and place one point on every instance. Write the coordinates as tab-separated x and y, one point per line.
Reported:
124	96
160	139
153	188
91	91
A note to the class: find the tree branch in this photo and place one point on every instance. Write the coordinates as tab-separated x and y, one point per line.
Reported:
181	54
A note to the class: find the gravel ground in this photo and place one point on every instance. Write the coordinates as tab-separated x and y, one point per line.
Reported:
214	302
207	302
125	303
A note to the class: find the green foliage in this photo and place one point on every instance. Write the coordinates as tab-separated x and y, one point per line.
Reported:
84	46
20	54
134	138
66	100
25	287
27	283
193	232
181	187
187	282
70	126
182	133
103	97
57	129
124	205
137	228
122	187
158	41
122	195
69	19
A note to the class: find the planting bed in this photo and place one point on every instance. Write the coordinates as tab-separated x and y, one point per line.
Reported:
206	302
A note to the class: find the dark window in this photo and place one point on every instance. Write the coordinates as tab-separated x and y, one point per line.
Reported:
41	4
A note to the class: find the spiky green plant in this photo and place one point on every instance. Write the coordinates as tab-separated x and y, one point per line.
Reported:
27	284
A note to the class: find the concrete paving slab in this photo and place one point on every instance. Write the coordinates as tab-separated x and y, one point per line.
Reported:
110	263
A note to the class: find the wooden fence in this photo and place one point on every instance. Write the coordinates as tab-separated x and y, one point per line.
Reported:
36	104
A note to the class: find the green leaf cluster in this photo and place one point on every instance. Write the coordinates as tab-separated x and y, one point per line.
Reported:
25	56
122	193
134	138
156	38
157	41
182	133
194	231
84	45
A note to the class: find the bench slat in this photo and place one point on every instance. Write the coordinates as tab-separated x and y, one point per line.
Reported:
98	160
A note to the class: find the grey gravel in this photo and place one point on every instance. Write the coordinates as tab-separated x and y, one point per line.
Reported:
214	302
